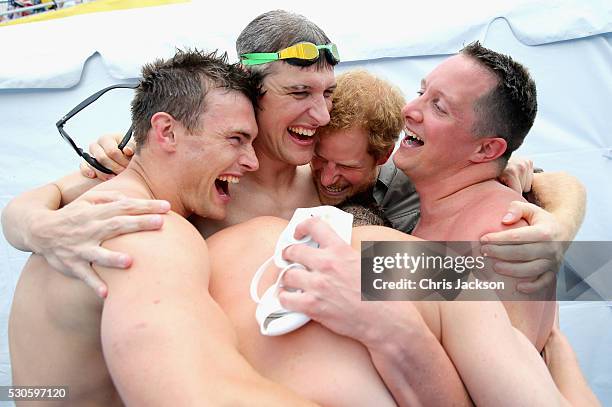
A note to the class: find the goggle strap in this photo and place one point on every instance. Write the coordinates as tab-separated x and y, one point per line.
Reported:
297	51
261	55
248	62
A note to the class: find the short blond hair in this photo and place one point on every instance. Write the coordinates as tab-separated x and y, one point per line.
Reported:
361	100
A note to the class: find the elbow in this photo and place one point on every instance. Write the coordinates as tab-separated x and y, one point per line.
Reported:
8	225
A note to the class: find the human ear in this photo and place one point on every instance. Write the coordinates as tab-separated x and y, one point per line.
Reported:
489	149
163	127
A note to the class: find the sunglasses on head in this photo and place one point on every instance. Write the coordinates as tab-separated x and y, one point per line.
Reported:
90	159
303	53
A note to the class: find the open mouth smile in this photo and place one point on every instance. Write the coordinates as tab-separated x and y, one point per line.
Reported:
302	135
222	185
412	140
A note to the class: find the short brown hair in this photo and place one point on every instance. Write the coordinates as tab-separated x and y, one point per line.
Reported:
178	86
509	109
361	100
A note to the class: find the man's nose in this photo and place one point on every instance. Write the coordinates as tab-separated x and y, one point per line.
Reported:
319	110
412	112
249	160
329	174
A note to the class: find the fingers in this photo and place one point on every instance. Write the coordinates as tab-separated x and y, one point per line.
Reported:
520	210
308	256
113	203
525	234
98	197
98	152
107	258
518	174
542	282
534	215
111	149
523	269
88	275
130	148
297	301
511	182
522	235
120	225
130	206
319	230
520	252
298	279
86	170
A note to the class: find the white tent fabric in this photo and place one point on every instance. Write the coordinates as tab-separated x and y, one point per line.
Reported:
48	67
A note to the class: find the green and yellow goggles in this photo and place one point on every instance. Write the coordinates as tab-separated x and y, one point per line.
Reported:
303	53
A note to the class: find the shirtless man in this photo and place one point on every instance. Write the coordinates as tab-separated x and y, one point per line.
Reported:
472	112
158	338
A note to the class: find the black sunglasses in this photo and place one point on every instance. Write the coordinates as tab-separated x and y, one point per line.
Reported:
90	159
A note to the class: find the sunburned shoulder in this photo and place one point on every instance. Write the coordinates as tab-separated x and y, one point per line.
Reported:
485	210
379	233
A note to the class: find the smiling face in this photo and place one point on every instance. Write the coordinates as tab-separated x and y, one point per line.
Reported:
295	104
217	153
439	122
342	166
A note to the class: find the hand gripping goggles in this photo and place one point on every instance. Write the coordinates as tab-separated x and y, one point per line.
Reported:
303	53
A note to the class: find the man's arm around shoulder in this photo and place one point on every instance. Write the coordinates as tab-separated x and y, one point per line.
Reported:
165	340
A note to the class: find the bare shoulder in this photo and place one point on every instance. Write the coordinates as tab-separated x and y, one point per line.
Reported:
261	227
379	233
177	248
124	184
176	230
486	209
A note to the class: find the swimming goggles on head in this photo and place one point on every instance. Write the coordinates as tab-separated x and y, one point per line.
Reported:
303	53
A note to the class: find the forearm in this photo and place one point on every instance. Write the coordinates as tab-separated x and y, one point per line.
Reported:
415	367
73	186
566	373
563	196
23	211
